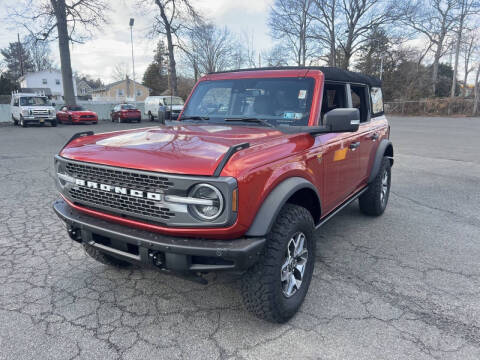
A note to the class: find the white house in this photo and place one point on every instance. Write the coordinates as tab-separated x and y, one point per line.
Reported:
47	79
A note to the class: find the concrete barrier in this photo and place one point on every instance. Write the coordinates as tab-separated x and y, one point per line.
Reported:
101	108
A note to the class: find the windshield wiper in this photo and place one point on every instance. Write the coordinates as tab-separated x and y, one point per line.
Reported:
196	117
250	119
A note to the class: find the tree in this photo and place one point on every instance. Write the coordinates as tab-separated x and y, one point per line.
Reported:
6	85
372	53
470	45
464	10
40	53
17	59
325	13
276	56
155	77
360	18
435	20
173	17
213	49
65	20
476	91
291	21
120	71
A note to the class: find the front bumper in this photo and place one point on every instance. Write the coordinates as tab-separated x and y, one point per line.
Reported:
36	119
167	252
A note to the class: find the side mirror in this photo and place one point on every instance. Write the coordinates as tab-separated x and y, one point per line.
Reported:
342	120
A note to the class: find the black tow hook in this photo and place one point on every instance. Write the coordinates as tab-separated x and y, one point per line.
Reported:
74	233
158	260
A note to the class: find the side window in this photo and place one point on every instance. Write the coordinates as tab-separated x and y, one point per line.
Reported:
334	97
44	81
360	101
64	108
377	101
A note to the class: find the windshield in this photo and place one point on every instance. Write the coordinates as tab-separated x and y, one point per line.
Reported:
33	101
280	101
76	108
172	100
128	107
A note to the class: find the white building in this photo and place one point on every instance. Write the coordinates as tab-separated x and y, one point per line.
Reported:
47	79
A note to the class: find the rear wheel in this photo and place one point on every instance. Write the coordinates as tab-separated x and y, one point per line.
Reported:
275	287
150	116
374	200
104	258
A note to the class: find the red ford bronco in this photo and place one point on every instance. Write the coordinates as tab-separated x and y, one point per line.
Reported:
258	160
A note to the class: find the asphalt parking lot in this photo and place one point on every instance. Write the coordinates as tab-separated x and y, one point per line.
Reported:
402	286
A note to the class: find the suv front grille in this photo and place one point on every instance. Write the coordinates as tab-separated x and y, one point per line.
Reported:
123	204
116	177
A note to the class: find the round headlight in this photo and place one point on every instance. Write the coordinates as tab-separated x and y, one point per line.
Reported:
213	206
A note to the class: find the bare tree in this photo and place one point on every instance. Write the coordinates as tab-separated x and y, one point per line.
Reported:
276	56
325	13
360	18
213	49
291	21
476	91
470	45
120	71
40	53
465	9
435	20
172	19
65	20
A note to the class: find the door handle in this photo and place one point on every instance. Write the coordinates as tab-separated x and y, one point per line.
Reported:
354	145
374	137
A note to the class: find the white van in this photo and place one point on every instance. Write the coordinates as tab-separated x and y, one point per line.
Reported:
169	107
29	108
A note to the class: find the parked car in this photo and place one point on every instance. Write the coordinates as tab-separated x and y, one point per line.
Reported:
163	107
125	112
76	115
262	159
29	109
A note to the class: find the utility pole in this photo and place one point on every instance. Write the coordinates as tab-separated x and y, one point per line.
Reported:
133	59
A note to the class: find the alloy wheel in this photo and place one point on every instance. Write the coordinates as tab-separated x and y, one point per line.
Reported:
384	189
293	268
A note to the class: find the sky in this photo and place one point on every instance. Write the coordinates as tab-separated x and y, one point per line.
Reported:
111	45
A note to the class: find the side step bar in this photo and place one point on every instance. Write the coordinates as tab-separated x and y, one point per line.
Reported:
341	207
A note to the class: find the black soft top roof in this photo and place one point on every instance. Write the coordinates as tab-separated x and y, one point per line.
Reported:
331	74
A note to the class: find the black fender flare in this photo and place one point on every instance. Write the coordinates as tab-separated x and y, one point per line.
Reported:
385	147
274	202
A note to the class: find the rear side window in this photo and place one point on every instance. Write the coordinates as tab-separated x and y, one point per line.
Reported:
377	101
360	101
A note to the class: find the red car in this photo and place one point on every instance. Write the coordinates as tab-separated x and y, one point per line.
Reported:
258	160
126	112
76	115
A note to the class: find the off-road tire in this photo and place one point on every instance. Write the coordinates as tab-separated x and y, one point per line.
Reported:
370	201
261	285
104	258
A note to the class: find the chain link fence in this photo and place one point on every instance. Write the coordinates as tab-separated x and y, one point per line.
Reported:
432	107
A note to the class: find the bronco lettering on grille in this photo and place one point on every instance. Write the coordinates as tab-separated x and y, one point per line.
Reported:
119	190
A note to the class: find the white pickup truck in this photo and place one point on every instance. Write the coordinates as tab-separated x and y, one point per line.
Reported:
32	109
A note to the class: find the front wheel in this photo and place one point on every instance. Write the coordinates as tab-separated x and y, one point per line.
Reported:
275	287
53	123
374	201
15	121
22	122
150	115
